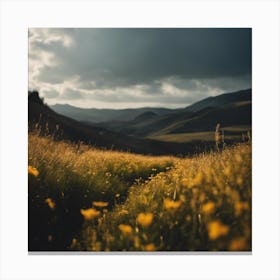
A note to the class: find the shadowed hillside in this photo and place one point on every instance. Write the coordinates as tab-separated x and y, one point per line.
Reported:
232	109
40	116
221	100
94	115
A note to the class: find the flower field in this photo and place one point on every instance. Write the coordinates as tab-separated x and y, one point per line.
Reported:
84	199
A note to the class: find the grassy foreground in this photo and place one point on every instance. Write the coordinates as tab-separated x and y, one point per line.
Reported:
81	198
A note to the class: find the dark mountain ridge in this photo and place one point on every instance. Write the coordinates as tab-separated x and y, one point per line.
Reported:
93	115
221	100
146	116
61	127
231	109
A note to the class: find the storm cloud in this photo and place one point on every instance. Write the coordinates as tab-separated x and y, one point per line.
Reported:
117	68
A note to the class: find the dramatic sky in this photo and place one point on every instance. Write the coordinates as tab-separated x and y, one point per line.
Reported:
121	68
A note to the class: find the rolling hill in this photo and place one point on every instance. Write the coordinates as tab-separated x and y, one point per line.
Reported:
41	117
94	115
156	131
230	110
221	101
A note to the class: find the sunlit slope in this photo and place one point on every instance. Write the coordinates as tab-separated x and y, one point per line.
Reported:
231	134
201	204
86	199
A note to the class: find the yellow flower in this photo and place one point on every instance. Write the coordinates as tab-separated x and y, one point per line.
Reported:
50	203
239	207
100	203
171	204
145	219
33	171
185	183
123	211
227	171
150	247
239	181
125	229
194	190
90	213
216	229
208	208
238	158
238	244
197	179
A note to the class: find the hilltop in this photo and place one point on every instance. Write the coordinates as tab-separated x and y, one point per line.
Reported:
41	117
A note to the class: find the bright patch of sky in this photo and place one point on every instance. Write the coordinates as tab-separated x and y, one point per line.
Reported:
121	68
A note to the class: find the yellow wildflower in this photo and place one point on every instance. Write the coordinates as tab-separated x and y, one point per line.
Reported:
171	204
50	203
239	181
150	247
227	171
194	190
100	203
123	211
125	229
238	158
216	229
197	179
90	213
145	219
184	183
208	208
238	244
33	171
240	206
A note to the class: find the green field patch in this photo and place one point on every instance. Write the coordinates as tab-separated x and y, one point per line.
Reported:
231	133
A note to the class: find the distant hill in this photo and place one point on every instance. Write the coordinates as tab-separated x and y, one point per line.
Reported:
221	100
156	131
61	127
146	116
93	115
236	114
231	109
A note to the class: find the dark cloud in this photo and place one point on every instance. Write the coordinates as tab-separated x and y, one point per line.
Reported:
70	94
123	58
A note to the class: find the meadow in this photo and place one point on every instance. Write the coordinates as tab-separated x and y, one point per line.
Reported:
85	199
233	133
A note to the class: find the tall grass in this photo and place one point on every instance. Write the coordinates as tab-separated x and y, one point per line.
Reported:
73	176
82	198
